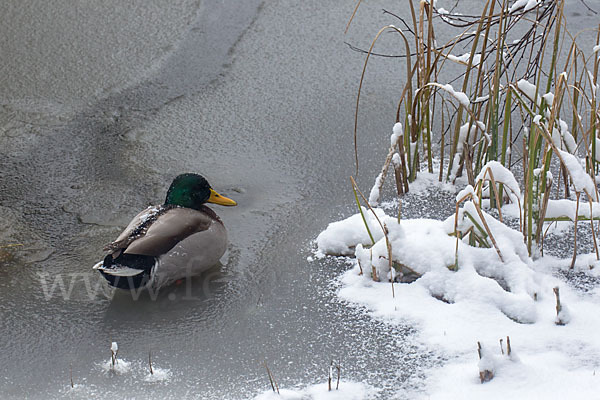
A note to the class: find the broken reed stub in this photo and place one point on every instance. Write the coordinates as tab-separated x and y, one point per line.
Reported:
486	364
562	313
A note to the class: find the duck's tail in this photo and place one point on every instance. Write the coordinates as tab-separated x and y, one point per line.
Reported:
127	271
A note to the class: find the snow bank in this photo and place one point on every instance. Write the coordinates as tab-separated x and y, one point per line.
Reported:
484	300
480	268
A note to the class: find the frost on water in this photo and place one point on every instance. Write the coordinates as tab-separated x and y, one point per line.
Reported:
136	369
347	391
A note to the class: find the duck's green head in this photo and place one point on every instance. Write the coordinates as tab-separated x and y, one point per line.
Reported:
192	190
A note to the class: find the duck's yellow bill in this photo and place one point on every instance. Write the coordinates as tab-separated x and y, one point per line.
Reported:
216	198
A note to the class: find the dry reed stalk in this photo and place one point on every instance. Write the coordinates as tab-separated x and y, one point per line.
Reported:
577	194
483	221
272	380
383	228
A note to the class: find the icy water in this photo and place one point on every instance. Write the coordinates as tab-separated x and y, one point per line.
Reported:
101	105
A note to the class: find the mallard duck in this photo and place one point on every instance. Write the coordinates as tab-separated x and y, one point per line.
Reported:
165	243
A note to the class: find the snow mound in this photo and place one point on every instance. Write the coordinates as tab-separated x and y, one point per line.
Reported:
500	174
121	366
430	251
341	237
159	375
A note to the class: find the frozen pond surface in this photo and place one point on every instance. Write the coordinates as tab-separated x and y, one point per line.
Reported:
102	104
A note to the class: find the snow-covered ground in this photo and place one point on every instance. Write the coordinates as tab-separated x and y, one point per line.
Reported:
465	295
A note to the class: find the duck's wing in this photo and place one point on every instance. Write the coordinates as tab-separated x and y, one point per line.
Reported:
168	229
134	230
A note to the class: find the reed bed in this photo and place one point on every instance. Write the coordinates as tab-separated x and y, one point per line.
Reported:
525	97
